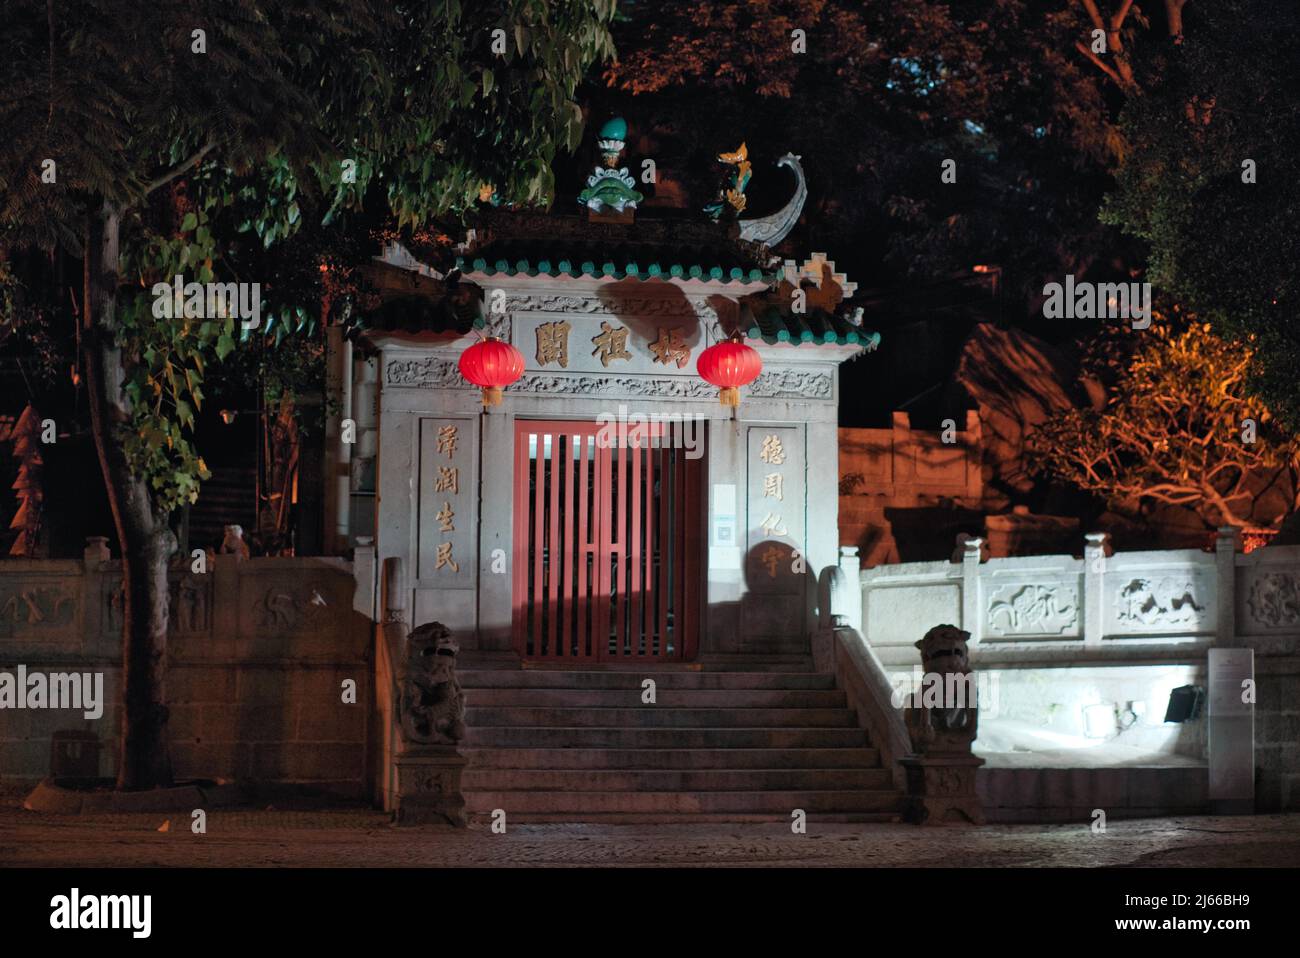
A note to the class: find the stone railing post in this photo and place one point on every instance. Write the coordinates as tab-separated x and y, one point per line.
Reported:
851	565
1226	544
363	572
93	612
1094	586
971	620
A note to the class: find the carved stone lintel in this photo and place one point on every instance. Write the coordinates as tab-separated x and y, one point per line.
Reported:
432	372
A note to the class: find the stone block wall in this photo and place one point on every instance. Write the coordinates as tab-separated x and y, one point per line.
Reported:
259	651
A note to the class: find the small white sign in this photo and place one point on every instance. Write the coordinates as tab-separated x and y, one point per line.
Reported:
722	532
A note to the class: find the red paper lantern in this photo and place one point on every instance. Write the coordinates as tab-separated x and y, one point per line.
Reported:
730	365
491	365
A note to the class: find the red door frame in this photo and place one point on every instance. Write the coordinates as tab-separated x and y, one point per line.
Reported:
602	558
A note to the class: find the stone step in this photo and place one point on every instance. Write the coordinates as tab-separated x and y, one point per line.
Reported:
779	804
557	679
672	758
691	818
712	780
676	738
658	716
664	698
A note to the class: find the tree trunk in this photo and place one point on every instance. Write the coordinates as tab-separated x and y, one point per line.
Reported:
143	536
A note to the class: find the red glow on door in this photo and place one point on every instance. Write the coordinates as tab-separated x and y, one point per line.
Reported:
607	541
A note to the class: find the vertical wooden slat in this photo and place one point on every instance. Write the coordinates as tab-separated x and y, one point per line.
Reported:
520	570
607	546
679	517
692	544
584	549
634	553
664	582
569	639
539	543
553	551
648	549
618	545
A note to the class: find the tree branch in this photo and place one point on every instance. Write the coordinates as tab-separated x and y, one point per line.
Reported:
1094	14
1102	65
183	168
1117	20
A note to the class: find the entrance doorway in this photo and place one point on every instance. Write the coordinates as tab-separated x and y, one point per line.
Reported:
607	542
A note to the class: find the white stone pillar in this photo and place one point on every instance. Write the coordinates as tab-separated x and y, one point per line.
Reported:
1226	544
1094	586
971	620
496	529
850	563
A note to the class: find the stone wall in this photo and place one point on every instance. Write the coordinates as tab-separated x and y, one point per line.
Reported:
901	488
259	650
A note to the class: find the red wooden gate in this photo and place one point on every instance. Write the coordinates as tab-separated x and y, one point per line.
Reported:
606	543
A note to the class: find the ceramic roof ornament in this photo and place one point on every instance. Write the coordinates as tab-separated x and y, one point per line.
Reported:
776	227
610	189
732	194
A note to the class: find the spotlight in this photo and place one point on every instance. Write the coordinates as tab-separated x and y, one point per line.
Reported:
1185	703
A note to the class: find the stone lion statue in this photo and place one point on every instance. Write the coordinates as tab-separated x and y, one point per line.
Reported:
944	650
432	704
944	712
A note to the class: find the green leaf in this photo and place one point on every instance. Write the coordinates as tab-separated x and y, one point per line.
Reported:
189	222
225	345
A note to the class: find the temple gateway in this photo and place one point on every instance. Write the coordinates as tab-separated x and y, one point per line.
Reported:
536	535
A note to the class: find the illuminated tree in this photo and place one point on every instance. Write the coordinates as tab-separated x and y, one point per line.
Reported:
1180	428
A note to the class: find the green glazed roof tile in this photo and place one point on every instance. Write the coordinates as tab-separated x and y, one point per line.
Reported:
633	269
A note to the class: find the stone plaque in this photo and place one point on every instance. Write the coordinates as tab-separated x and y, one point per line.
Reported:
1232	730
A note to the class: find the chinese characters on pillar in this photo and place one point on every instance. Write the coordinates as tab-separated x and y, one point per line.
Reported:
772	455
446	518
448	480
775	512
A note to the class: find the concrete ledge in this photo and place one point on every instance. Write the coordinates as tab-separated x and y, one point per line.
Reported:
1072	794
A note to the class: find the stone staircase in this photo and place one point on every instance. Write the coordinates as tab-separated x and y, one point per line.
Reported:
561	746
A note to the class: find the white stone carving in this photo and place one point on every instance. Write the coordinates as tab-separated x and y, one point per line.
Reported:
1033	610
616	306
431	372
1275	599
1169	601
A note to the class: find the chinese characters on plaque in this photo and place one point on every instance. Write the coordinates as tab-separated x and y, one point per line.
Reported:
446	520
612	345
